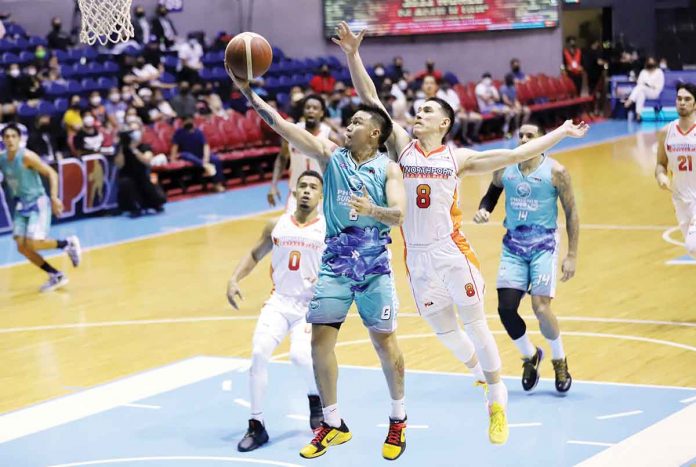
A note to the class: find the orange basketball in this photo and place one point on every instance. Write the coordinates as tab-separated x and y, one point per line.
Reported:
248	55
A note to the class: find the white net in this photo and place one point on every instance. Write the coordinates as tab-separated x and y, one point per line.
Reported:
105	21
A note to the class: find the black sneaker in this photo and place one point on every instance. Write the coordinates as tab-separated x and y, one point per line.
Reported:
255	437
316	415
563	378
530	370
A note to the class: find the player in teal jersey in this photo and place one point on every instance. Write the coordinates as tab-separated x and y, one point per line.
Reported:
363	198
22	170
530	252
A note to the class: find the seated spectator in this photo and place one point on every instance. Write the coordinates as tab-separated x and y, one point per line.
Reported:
184	104
18	83
141	26
153	55
516	70
651	81
429	71
349	109
160	103
97	109
57	39
72	119
136	192
115	109
488	100
509	94
162	27
190	56
189	144
396	70
379	75
144	73
43	140
88	140
216	107
147	110
322	82
41	58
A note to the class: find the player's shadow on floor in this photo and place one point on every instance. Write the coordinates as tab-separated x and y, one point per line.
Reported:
520	395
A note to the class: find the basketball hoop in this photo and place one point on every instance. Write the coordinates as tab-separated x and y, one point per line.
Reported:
105	21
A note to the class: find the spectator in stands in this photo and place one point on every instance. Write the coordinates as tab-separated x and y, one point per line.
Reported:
41	58
115	109
89	139
144	73
163	28
322	82
57	39
43	140
396	70
572	62
349	109
488	100
516	70
147	110
379	75
141	26
651	81
190	56
184	104
216	107
129	96
72	119
189	144
153	55
165	109
664	66
508	92
97	109
429	71
334	106
136	192
595	67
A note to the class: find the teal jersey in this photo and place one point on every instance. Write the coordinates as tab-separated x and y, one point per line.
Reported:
25	184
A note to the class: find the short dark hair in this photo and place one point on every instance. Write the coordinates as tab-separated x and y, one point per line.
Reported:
311	173
11	126
449	111
540	127
688	87
382	118
316	97
487	75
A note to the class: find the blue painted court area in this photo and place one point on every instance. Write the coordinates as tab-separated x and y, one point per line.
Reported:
199	420
197	212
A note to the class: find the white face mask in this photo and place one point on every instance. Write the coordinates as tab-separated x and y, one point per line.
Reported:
379	71
14	72
95	100
487	81
88	121
114	97
136	135
31	72
126	96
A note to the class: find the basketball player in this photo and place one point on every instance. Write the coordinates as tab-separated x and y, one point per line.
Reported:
297	242
23	170
313	112
530	252
443	268
364	198
676	152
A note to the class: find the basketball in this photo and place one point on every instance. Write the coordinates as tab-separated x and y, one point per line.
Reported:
248	55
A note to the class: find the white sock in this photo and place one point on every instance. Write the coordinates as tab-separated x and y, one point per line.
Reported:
557	348
525	346
477	371
331	415
398	410
258	416
498	393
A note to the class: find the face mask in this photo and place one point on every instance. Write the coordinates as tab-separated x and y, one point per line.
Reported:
56	26
516	68
126	96
136	135
184	91
355	100
88	121
403	84
430	67
663	65
31	72
40	54
139	14
188	126
96	100
379	71
114	97
75	105
651	65
43	126
192	42
487	81
14	72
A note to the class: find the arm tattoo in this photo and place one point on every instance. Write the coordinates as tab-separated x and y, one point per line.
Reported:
259	106
565	192
388	216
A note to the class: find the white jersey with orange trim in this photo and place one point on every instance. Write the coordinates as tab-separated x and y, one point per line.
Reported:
299	162
680	147
296	256
443	269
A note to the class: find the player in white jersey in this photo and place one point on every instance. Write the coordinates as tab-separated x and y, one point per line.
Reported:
297	243
676	153
313	113
443	269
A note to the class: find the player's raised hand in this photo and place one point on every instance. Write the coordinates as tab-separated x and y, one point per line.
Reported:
663	182
348	41
361	204
273	196
233	292
568	268
241	83
575	130
482	216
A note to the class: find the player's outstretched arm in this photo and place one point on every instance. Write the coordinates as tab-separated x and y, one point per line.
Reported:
561	180
473	162
279	165
395	212
350	43
263	246
317	148
33	161
661	166
490	199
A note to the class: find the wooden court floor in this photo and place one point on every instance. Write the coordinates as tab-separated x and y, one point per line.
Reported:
626	316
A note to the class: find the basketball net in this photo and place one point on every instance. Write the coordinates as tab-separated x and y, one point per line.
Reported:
105	21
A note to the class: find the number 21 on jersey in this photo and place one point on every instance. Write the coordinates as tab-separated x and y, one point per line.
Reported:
686	163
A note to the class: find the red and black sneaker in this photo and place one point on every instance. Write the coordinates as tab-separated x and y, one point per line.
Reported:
395	444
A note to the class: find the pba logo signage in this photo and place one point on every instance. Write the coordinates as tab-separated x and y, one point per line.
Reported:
86	185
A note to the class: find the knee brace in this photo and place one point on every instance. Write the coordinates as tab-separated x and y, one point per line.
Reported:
508	306
444	324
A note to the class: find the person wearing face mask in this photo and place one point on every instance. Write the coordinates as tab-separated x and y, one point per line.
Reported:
160	103
651	81
57	39
97	109
488	99
572	62
141	26
322	82
17	83
190	56
396	70
189	144
430	70
145	73
43	140
516	70
378	75
184	104
115	109
41	58
136	192
163	28
89	139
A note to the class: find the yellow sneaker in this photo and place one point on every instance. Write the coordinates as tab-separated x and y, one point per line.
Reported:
498	430
395	444
325	436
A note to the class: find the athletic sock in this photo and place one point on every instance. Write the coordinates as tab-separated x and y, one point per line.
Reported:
258	416
398	409
557	351
498	393
331	415
525	346
48	268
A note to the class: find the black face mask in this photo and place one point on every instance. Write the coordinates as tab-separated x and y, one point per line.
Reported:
651	66
516	68
139	14
430	67
184	91
44	127
188	126
75	106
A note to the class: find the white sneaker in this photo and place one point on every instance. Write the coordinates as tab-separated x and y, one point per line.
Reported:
74	250
54	282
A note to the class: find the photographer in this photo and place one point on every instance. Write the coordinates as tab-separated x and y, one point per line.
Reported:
136	192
